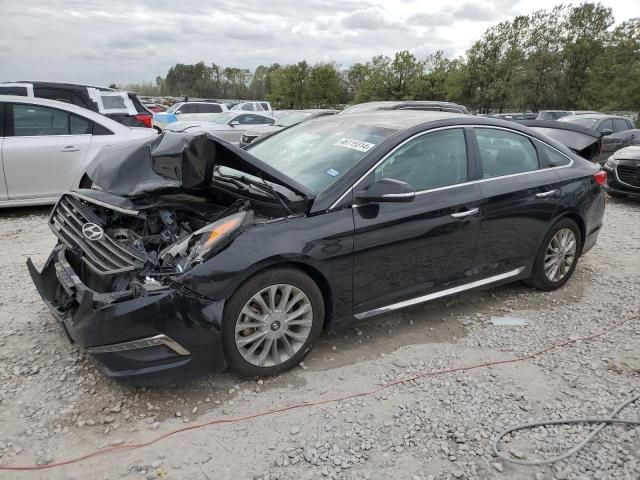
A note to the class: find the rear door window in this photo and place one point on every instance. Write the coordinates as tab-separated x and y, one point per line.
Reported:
505	153
210	108
247	107
265	106
620	125
35	120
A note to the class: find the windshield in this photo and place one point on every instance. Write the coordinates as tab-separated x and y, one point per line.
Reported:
317	154
291	118
173	108
585	122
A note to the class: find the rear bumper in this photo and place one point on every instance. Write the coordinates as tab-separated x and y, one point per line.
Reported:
168	337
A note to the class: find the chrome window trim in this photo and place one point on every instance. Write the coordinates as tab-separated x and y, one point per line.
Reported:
441	293
154	341
471	182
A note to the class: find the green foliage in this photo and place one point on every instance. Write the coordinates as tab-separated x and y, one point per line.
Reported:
569	57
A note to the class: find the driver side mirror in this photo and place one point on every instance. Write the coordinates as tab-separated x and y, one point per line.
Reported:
233	123
387	190
606	132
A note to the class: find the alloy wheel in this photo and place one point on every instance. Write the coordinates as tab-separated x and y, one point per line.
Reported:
560	255
273	325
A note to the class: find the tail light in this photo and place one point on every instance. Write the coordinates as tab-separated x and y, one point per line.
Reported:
145	118
600	177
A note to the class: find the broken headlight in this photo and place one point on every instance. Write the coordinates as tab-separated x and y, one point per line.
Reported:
204	243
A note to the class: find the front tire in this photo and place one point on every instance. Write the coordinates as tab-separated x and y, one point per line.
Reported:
558	255
271	323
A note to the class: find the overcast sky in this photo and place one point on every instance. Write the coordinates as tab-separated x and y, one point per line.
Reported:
102	42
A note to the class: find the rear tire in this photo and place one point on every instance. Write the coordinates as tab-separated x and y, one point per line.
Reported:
282	312
558	255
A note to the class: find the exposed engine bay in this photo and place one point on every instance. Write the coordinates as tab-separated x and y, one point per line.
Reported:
115	249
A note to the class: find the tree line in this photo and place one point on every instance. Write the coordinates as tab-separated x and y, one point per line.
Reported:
569	57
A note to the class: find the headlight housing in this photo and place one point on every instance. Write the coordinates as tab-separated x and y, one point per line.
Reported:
204	243
612	162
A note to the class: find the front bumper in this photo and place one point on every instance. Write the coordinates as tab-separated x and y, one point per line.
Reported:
615	186
167	337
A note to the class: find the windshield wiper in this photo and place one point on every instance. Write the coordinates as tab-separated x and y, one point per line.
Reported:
243	181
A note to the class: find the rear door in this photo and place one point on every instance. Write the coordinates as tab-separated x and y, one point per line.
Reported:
3	184
404	251
519	198
43	150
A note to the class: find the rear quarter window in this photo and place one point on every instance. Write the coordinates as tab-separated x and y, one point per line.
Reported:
553	157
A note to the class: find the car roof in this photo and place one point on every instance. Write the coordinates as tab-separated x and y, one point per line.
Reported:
85	112
70	86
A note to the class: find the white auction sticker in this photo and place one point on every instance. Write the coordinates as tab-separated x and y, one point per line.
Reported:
354	144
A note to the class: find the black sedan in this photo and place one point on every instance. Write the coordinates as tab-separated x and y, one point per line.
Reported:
190	255
623	169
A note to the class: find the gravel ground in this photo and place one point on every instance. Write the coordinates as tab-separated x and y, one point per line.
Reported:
54	404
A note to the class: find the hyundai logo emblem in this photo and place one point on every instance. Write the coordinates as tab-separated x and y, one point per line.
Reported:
92	231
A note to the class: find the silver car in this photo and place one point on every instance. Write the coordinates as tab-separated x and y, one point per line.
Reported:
46	146
228	125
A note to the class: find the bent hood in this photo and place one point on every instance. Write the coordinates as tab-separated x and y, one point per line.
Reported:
176	160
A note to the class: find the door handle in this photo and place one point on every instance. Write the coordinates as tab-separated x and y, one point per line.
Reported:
546	194
467	213
70	148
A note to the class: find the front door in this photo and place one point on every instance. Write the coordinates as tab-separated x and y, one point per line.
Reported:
44	150
403	251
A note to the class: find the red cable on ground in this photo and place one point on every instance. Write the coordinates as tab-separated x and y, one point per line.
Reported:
195	426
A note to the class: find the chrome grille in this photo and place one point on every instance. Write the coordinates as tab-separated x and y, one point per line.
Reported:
629	175
106	255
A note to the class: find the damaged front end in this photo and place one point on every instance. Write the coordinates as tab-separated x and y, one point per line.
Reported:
113	283
114	279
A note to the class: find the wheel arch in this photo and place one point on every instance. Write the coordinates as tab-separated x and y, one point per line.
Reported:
316	275
576	217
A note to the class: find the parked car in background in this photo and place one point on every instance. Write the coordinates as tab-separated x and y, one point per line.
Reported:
46	146
552	114
426	105
616	132
623	168
228	125
557	114
195	110
513	116
286	118
262	107
155	107
341	218
123	107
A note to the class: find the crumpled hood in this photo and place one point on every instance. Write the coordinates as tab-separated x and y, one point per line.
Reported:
176	160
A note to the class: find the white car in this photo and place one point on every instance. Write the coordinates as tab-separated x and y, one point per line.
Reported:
228	125
193	109
261	107
46	146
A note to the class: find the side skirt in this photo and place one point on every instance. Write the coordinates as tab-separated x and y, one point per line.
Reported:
442	293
